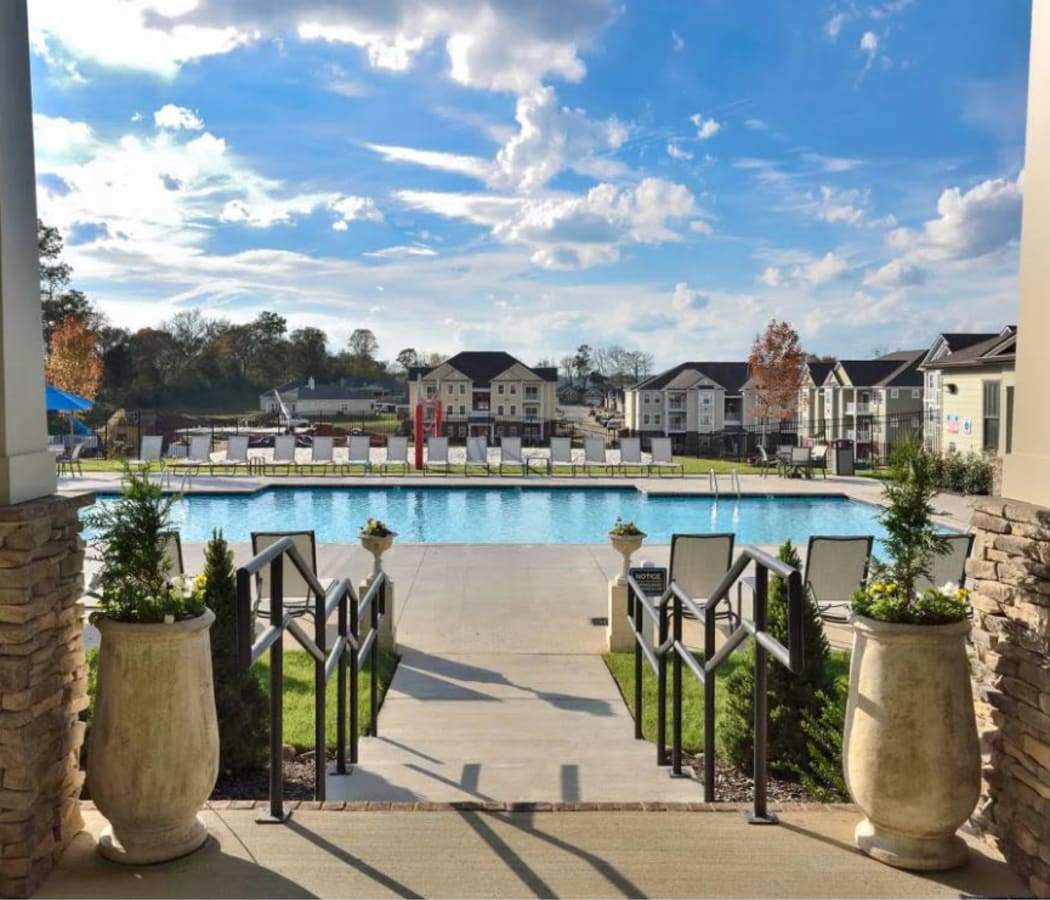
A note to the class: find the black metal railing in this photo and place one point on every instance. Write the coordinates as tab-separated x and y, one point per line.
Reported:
667	613
344	658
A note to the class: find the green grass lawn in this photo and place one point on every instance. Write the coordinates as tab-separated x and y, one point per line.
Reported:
299	694
693	466
621	665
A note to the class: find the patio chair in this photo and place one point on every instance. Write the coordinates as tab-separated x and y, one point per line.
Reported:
149	451
835	568
198	456
71	462
360	454
595	455
950	566
396	454
171	542
298	596
631	455
661	457
798	463
437	455
477	454
322	454
699	562
561	456
283	453
818	458
767	462
236	454
784	458
510	454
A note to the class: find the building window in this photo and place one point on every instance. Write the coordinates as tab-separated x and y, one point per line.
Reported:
499	410
499	388
514	410
656	399
656	419
451	388
895	393
514	389
916	393
462	388
645	418
462	410
990	415
645	397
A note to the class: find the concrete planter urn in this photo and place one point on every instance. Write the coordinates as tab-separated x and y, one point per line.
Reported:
153	751
625	545
910	751
377	545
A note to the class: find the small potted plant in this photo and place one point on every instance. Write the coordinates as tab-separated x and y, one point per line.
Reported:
153	750
910	749
376	538
626	538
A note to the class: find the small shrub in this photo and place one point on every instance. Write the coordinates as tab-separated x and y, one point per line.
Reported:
978	478
823	777
790	696
954	473
241	704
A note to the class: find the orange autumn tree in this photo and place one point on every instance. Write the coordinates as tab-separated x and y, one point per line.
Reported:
776	368
73	363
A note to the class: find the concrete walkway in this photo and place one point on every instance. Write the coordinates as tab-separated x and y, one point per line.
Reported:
521	854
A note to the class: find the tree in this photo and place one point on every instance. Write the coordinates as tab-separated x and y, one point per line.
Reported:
363	347
408	358
581	363
639	364
57	302
776	368
568	363
73	362
308	354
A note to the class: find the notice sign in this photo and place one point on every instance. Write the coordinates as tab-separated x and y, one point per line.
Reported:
651	579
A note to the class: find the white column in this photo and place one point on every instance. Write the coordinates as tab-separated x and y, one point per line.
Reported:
27	469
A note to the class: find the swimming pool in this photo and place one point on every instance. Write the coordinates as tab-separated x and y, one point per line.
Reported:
515	515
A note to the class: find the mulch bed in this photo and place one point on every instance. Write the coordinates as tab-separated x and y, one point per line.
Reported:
733	785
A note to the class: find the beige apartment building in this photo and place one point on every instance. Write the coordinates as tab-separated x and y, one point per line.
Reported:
970	393
489	393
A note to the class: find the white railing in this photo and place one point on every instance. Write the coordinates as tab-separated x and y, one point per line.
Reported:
859	409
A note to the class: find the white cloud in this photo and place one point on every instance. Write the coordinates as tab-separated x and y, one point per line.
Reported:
55	135
177	117
811	273
684	299
840	206
756	124
473	166
705	128
265	212
402	251
677	43
700	227
354	209
896	273
869	44
834	25
833	164
676	152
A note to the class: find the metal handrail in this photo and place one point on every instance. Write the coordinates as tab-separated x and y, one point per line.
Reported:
735	482
712	481
667	613
344	658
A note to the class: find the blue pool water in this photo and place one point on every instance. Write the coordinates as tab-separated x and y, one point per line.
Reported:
516	515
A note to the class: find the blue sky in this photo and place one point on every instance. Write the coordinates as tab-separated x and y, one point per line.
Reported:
490	174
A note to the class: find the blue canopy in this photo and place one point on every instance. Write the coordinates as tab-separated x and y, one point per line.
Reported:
63	401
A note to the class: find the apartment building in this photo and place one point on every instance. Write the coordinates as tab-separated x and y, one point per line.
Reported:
969	386
305	397
689	401
490	393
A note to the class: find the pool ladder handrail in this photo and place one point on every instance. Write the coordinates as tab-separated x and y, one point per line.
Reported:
735	482
712	480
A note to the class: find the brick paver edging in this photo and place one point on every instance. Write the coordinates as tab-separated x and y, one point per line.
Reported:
514	806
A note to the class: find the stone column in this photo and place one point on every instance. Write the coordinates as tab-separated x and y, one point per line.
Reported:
43	687
1010	569
388	629
27	468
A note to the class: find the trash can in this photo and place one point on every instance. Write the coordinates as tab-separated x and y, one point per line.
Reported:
842	457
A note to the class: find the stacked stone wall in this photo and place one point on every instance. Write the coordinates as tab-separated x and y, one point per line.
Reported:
43	687
1010	571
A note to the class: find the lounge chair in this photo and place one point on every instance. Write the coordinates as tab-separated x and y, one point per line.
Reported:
798	463
198	456
661	458
835	568
510	455
767	462
396	454
437	455
561	455
631	455
595	456
477	455
298	597
321	454
818	458
360	454
950	566
236	454
149	451
283	453
71	462
699	562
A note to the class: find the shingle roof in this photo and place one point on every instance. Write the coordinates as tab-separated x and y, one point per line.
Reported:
334	392
481	366
898	369
730	375
957	341
981	353
818	371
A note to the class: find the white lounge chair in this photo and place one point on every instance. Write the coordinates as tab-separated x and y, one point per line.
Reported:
699	562
149	451
661	458
396	454
510	455
437	455
236	454
561	456
283	453
836	567
298	598
360	454
631	455
477	455
197	456
818	458
950	566
595	455
321	454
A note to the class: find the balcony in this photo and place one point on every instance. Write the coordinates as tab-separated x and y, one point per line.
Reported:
733	421
676	424
860	436
858	409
